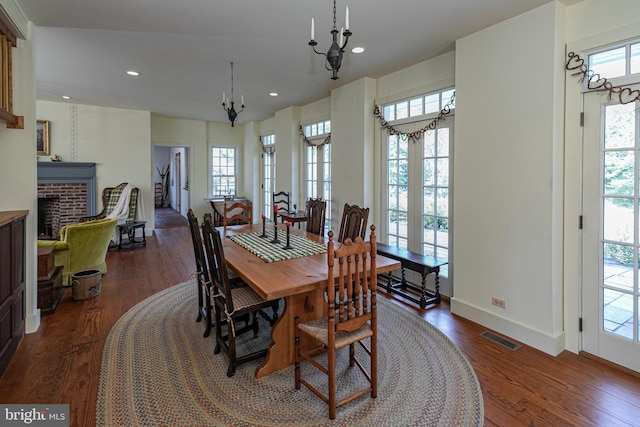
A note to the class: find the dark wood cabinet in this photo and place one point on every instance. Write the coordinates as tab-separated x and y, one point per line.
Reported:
12	283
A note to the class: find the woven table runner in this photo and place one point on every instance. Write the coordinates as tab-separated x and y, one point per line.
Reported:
270	252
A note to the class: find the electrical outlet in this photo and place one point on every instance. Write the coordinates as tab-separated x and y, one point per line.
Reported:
498	302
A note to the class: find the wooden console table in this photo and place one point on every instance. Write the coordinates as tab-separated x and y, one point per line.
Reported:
422	264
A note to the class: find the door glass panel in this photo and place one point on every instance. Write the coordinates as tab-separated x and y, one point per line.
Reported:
618	172
618	266
618	219
443	173
618	313
429	205
620	130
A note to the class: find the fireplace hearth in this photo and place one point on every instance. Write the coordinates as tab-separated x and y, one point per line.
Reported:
66	193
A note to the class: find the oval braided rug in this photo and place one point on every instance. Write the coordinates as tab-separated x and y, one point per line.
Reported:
158	370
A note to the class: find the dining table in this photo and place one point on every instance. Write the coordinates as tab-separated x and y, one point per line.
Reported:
297	275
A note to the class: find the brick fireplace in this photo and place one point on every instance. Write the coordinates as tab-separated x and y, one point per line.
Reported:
66	193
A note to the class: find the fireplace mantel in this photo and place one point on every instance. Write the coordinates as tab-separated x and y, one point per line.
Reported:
71	172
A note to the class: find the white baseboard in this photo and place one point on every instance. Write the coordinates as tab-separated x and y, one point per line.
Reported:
552	345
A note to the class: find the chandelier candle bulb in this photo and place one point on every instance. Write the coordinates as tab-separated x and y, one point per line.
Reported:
346	19
313	29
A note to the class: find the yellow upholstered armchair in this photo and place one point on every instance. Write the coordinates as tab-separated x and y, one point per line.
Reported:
82	247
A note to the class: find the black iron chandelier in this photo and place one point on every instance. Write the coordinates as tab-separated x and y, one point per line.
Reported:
231	111
333	58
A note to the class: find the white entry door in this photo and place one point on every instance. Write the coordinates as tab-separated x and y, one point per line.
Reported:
610	193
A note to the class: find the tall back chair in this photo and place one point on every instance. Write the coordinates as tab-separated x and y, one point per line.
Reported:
354	222
316	214
351	318
202	275
110	198
232	302
237	213
281	201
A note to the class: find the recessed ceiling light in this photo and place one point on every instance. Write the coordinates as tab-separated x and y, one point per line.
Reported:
133	73
66	97
273	94
357	49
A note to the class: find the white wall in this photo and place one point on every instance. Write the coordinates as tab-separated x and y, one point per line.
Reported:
117	140
352	148
507	146
18	162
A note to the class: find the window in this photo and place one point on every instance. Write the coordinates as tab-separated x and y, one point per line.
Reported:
417	176
318	165
223	171
616	61
268	172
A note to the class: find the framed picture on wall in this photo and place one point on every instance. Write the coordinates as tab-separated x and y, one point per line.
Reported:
42	137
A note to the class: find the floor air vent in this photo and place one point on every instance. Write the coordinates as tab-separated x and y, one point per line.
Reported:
502	341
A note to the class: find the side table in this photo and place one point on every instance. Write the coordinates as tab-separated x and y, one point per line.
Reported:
294	217
50	291
130	229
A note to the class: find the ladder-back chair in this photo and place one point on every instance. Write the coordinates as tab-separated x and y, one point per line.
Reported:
232	303
237	213
354	222
281	201
316	214
351	318
202	275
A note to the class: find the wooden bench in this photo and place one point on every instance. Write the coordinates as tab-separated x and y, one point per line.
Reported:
422	264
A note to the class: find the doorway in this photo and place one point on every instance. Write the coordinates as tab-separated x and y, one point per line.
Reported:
611	230
175	160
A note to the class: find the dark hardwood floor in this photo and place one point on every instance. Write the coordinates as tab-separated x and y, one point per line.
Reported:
60	363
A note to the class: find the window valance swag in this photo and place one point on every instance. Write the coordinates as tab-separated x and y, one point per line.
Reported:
595	82
325	141
415	135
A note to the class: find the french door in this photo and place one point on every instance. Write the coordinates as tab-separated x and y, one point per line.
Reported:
610	250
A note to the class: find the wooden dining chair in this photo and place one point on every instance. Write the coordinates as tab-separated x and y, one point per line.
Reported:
202	275
281	200
316	214
354	222
233	303
237	213
351	318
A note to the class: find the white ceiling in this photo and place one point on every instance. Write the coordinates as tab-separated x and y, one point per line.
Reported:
183	48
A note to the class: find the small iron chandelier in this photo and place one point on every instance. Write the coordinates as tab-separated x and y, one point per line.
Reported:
231	111
333	58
